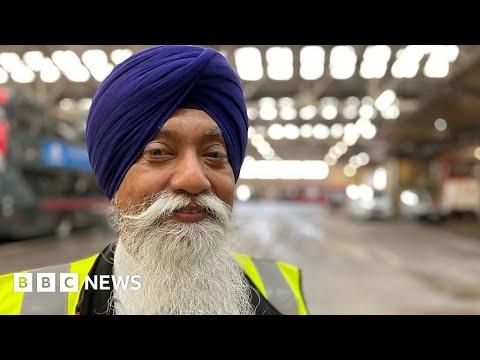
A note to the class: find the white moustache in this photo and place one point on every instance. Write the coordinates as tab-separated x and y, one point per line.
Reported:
165	204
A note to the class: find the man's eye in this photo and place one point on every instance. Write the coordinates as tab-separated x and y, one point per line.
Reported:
156	152
216	155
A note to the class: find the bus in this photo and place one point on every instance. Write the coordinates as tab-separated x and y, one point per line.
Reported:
47	185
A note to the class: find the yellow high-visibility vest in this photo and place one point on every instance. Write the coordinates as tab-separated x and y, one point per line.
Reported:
278	282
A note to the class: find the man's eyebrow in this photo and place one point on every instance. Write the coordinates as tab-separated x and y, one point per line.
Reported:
163	132
214	131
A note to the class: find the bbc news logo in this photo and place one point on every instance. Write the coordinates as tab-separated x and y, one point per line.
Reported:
68	282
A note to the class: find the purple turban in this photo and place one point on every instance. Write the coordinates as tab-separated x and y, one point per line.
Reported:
141	94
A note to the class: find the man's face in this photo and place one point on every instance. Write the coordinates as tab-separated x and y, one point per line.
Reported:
187	156
173	211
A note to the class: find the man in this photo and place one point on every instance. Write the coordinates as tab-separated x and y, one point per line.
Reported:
166	136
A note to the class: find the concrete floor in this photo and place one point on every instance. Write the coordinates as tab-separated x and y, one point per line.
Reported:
347	267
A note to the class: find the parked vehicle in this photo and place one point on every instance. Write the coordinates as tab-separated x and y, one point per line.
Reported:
418	204
46	183
378	205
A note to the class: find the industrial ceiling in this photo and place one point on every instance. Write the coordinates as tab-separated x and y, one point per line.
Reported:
421	97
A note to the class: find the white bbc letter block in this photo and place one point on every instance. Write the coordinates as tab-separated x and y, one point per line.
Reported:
45	282
22	282
68	282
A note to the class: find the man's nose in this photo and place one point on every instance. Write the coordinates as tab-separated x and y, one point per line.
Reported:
190	176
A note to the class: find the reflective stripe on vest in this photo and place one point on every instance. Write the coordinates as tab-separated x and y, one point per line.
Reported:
45	303
276	286
277	281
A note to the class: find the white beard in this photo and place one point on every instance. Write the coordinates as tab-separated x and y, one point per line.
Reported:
184	268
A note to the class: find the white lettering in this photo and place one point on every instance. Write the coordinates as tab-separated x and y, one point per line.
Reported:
69	282
136	282
120	280
104	282
91	283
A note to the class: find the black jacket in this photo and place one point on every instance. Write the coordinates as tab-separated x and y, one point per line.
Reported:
94	302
